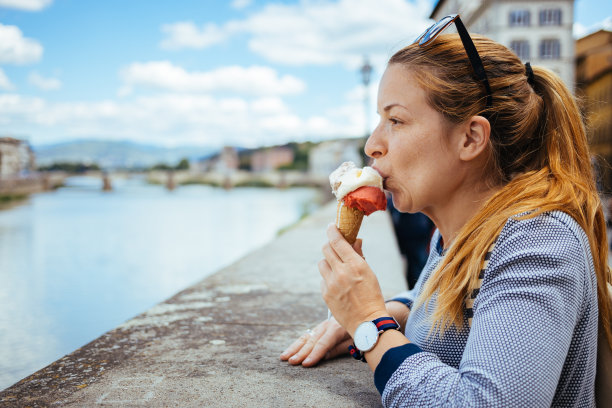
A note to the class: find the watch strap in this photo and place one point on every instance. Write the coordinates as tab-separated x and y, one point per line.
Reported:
385	323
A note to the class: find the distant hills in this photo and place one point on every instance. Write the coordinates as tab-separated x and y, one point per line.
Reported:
116	154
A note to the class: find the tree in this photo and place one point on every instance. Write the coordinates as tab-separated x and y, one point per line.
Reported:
183	164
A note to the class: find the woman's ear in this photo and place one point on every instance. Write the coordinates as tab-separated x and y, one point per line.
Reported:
475	138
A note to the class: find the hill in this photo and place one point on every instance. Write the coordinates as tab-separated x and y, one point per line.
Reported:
116	154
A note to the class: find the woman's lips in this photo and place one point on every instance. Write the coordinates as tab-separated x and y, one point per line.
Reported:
383	176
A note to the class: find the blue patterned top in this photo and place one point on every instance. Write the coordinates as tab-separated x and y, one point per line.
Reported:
533	339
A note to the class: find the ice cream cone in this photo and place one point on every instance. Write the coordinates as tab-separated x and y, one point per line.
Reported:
348	221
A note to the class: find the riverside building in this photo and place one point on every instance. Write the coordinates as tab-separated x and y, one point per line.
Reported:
537	31
16	157
594	88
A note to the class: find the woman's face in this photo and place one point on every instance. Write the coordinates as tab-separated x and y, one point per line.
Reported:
413	146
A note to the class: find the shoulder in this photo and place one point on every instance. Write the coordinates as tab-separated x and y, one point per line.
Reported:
551	232
549	246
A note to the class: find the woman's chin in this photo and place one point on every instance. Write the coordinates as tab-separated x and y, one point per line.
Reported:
398	203
402	203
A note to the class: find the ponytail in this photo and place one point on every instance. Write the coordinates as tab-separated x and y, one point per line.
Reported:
570	162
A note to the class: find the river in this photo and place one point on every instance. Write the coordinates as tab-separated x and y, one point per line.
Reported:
77	262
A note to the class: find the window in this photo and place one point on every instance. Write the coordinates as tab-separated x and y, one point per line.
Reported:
519	18
550	17
550	49
521	49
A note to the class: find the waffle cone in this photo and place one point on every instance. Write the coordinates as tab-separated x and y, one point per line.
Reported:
348	221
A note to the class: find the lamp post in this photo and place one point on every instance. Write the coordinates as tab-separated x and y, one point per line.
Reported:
366	71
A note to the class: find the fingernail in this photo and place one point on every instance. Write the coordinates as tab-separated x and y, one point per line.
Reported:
293	358
307	361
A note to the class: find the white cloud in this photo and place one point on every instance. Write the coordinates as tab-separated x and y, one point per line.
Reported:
270	105
186	34
27	5
319	32
174	119
5	83
241	4
16	49
46	84
580	30
255	80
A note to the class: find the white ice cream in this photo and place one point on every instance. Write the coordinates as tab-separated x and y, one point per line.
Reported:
349	177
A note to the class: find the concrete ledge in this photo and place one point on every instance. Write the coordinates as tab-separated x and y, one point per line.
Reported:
218	342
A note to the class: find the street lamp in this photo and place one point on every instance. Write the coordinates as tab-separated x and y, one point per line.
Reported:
366	71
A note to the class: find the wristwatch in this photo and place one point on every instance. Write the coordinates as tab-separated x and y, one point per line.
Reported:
367	334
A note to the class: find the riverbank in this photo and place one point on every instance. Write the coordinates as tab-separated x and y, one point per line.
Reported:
17	188
217	343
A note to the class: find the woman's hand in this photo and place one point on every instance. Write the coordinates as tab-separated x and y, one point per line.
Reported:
326	341
349	286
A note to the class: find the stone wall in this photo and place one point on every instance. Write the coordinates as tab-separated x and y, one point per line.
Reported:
217	343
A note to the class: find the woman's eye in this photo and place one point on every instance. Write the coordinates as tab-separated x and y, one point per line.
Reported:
393	121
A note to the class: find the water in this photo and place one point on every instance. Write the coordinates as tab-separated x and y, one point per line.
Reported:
77	262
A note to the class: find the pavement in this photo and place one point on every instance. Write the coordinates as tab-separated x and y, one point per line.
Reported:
217	343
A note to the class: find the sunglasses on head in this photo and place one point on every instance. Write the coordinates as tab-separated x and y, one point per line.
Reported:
432	32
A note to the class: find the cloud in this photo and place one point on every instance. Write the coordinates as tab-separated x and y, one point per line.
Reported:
15	48
27	5
241	4
46	84
187	35
174	119
254	80
580	30
5	83
317	32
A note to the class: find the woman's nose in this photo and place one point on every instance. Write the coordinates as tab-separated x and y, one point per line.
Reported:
373	147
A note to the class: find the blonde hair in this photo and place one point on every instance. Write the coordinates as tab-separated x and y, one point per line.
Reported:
538	153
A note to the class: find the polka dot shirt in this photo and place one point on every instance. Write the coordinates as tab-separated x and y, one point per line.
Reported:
533	339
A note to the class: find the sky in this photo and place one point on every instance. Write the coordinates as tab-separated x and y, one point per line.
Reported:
204	72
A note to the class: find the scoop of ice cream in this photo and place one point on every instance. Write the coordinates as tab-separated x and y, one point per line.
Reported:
349	177
366	199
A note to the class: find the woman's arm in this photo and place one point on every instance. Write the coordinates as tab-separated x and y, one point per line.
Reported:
329	339
352	293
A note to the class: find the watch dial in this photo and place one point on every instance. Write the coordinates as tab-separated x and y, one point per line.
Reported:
366	336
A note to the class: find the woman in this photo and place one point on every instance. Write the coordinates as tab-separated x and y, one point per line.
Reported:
494	152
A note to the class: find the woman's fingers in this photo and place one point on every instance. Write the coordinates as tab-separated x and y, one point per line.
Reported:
294	347
316	345
340	246
303	352
357	246
339	349
322	347
330	255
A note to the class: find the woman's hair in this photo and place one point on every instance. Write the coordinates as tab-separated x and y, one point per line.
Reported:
538	154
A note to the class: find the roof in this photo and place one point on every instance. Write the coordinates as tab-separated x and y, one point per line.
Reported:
10	140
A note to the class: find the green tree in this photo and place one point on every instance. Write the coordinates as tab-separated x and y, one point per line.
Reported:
183	164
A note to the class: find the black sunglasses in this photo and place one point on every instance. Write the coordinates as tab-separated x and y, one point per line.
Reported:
432	32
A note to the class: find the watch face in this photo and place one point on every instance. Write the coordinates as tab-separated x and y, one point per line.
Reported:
366	336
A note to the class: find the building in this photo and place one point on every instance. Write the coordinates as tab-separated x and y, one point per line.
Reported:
226	161
271	158
327	156
594	89
538	31
16	158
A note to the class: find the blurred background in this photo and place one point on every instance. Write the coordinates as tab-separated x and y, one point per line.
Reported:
145	145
